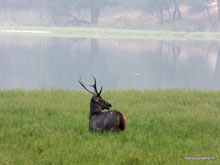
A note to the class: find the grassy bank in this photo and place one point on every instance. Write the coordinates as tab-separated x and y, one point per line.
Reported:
108	33
51	127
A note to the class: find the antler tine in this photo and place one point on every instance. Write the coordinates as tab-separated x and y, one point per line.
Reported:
100	91
81	83
94	85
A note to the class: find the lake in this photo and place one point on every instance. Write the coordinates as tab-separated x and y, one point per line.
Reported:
31	62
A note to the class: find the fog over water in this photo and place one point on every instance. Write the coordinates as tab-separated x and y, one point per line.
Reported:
57	63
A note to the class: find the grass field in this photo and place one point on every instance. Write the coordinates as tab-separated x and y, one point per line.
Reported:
108	33
163	127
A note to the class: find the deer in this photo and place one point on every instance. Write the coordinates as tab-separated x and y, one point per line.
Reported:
107	121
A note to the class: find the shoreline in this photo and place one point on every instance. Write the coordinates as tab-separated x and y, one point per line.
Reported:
74	32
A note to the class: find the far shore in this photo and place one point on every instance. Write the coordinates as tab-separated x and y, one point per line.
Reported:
68	32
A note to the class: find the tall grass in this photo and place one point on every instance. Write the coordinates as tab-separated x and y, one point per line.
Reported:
163	127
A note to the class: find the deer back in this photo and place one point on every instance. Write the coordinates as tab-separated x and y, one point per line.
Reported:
107	121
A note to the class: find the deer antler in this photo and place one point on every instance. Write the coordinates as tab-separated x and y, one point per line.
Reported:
94	86
100	91
81	83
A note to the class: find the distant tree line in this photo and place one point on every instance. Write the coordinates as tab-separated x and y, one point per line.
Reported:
173	8
160	8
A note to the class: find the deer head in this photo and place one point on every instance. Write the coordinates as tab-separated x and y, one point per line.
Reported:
96	99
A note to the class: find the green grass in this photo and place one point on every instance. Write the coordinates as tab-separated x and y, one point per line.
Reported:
163	127
109	33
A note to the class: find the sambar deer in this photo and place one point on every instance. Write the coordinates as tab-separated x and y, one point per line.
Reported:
111	120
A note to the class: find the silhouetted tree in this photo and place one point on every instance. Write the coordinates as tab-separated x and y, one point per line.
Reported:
95	7
218	4
200	6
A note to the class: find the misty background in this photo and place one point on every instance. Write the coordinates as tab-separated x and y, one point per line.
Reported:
184	15
28	62
37	61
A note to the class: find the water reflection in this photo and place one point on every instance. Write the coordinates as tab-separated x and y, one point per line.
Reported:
41	62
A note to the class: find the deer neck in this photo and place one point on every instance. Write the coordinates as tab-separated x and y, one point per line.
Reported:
94	108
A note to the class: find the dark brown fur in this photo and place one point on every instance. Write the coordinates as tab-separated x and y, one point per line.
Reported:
107	121
111	120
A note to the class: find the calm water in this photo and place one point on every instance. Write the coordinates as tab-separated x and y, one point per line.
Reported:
45	63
